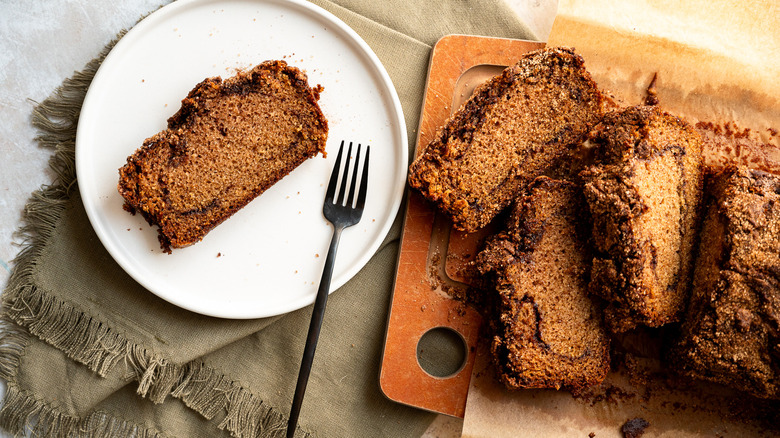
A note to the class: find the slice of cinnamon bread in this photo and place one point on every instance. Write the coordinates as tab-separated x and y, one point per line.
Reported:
512	129
644	197
546	330
730	333
229	142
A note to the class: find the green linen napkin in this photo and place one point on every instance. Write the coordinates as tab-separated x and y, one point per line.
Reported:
86	351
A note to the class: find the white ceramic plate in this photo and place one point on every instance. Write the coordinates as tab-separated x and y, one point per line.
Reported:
267	259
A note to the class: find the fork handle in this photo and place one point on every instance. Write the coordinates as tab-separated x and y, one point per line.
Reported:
314	331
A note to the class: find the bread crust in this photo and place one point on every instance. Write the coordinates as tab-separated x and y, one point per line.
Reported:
644	196
730	333
230	141
515	127
546	331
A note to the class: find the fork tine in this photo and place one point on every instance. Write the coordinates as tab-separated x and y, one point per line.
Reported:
361	201
334	176
343	188
353	184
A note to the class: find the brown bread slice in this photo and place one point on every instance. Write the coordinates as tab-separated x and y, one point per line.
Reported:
229	142
546	330
512	129
644	197
731	332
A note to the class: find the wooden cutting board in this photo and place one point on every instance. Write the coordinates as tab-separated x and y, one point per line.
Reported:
433	256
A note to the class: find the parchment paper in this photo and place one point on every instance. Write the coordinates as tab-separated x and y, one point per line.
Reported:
717	65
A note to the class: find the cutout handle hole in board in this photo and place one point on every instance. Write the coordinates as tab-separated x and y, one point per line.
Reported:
442	352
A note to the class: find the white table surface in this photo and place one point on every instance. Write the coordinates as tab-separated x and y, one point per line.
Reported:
44	42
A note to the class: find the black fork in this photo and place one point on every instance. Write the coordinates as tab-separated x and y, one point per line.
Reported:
342	214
